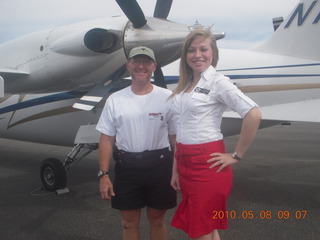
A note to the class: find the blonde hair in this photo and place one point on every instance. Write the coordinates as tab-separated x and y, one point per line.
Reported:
186	73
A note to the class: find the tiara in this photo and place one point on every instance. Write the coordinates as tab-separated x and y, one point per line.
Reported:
198	26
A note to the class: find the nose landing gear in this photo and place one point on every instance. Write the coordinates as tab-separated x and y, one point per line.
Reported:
53	172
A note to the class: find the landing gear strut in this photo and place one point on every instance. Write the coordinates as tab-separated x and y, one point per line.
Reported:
53	173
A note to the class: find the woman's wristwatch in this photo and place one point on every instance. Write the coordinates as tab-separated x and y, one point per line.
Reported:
235	156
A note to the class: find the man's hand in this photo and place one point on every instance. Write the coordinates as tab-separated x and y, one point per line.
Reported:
106	187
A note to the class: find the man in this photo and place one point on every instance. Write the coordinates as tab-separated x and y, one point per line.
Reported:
138	121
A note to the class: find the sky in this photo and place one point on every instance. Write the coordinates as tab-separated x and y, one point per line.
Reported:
247	23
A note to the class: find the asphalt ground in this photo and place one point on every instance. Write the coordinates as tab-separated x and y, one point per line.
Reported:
276	192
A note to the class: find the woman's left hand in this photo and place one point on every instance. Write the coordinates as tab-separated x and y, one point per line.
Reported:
222	159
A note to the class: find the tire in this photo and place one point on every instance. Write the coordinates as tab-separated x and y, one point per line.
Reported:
53	174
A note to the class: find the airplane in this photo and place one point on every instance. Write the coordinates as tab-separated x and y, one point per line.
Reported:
282	76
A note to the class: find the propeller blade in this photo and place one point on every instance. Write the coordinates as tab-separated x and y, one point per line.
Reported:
133	12
162	9
159	78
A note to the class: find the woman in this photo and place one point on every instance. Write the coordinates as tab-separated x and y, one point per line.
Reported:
201	167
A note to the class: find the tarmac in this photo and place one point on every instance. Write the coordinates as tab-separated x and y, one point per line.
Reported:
276	192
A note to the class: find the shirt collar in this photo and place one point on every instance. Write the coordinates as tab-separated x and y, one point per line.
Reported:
207	74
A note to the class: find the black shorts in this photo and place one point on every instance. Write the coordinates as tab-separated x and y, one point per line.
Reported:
136	188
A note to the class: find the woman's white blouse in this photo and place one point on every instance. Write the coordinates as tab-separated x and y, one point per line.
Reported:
198	114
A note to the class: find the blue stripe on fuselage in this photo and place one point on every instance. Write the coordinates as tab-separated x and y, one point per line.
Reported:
41	100
271	67
169	80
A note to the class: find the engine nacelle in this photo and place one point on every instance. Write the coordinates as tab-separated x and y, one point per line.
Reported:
86	43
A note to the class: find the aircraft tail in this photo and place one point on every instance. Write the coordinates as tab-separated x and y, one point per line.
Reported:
299	34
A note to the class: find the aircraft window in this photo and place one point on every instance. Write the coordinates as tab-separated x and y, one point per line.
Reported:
41	48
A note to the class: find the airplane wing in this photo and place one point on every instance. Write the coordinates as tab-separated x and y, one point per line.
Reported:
305	111
11	73
8	73
95	95
1	87
301	111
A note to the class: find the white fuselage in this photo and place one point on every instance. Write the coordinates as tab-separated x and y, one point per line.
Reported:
63	64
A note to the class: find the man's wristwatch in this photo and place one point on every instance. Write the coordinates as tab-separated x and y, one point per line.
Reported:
235	156
102	173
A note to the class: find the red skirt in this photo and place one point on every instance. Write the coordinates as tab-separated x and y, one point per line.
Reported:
204	191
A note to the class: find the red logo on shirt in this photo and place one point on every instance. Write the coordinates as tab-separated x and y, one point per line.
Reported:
156	115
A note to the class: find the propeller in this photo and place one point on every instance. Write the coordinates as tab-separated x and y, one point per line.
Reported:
135	14
159	78
162	9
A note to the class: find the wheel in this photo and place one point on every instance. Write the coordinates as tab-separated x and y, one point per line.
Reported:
53	174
